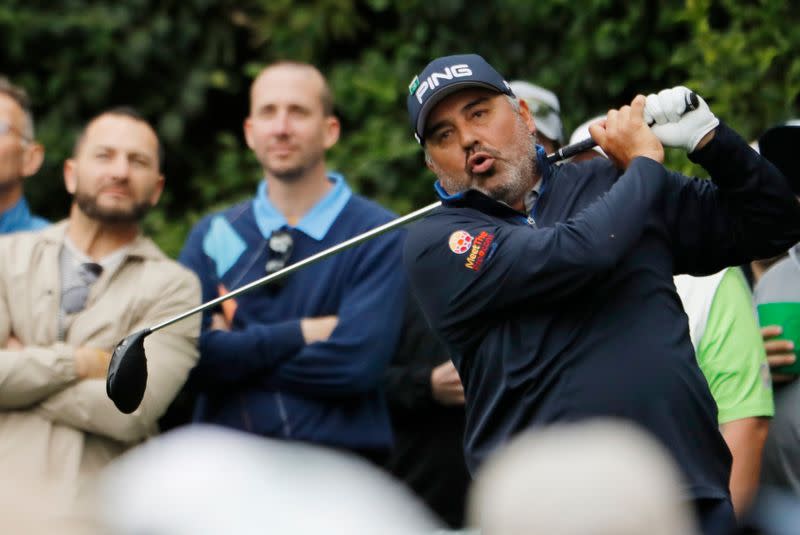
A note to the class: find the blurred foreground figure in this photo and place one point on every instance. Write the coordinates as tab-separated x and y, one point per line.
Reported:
202	480
596	478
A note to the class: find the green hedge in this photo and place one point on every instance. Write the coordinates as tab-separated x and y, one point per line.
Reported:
187	65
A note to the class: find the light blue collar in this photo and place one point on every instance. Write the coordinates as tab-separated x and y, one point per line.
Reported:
316	222
443	195
19	217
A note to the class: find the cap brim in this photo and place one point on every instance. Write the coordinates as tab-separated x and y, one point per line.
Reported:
778	145
441	93
549	126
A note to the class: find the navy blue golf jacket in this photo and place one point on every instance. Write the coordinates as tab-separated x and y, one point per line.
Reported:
572	313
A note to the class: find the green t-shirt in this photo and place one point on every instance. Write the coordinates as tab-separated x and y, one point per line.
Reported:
731	353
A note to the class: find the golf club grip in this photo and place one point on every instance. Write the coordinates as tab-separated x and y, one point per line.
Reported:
692	102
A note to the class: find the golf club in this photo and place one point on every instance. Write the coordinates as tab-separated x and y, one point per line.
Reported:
691	101
127	372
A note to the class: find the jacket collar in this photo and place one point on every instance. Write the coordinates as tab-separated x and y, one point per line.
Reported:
142	247
18	217
475	199
316	222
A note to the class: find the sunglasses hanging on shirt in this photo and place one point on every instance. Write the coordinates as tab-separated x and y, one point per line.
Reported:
280	250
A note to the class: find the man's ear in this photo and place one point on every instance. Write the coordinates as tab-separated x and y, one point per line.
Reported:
525	112
159	189
248	131
332	130
70	181
32	159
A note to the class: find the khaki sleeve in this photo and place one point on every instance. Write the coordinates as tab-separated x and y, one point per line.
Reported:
29	375
171	354
34	373
5	316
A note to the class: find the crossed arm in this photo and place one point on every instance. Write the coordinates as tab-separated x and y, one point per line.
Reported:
328	356
67	385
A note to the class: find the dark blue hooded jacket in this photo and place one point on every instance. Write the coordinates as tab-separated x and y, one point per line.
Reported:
572	313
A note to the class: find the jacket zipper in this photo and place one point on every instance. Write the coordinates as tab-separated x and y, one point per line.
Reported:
287	429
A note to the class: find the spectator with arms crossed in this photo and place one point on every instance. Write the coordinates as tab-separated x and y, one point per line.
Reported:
69	293
304	359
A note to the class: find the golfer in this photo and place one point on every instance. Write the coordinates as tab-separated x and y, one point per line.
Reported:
552	286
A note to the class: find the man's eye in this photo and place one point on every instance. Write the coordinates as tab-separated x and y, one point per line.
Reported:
442	136
478	113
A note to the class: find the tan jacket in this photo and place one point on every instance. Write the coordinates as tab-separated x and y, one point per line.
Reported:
53	426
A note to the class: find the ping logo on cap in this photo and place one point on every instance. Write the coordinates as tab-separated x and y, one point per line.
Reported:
434	79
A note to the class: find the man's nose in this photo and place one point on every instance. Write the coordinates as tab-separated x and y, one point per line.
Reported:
281	125
468	138
120	166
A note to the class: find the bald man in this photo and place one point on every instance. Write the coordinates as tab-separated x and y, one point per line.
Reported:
302	359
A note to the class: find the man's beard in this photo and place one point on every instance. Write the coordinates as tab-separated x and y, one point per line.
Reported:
519	177
111	216
294	174
7	186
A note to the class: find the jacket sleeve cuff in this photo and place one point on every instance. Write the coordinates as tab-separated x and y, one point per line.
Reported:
421	380
286	338
60	358
728	168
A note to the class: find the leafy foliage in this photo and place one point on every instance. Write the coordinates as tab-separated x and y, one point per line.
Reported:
187	65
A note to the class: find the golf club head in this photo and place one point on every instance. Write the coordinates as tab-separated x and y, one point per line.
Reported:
127	372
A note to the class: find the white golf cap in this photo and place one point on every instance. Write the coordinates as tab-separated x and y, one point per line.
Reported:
582	132
544	107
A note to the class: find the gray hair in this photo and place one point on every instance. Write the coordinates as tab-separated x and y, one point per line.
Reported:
20	96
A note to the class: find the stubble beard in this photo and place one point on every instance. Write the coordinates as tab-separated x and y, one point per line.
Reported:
293	174
89	206
519	176
7	186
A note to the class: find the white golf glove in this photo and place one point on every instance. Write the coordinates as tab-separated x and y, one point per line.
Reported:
671	125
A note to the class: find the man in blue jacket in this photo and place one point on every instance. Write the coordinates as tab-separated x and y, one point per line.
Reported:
552	285
302	359
20	157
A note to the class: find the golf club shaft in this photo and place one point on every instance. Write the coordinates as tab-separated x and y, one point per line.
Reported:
569	151
352	242
560	154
